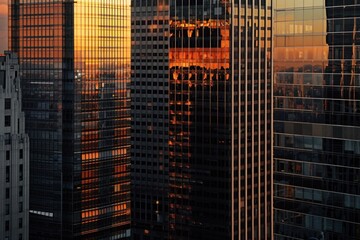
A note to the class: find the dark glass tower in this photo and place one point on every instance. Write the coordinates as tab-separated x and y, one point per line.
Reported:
317	119
202	131
75	70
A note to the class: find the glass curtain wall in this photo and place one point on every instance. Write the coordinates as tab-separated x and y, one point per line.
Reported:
220	120
201	95
75	72
316	117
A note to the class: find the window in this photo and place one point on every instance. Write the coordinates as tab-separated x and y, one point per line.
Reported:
20	207
21	154
20	191
7	138
7	157
2	79
7	174
7	103
7	121
7	225
20	222
21	172
20	236
7	193
7	209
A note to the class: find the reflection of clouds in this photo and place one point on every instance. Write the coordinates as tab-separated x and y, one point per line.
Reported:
3	25
3	41
3	7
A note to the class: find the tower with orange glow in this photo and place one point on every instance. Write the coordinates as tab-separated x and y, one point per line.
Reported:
75	72
205	68
316	119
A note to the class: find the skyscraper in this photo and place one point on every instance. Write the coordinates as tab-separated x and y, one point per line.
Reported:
316	115
75	70
201	119
14	154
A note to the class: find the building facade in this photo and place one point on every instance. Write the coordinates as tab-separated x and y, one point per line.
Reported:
150	119
14	154
201	95
75	72
316	118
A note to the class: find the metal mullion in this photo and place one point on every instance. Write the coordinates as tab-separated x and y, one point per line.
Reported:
232	124
246	119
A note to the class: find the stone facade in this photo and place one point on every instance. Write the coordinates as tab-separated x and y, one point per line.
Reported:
14	154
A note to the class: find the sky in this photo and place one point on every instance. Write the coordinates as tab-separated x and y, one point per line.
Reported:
3	25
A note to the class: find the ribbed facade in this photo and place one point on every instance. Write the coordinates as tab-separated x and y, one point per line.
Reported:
316	116
215	66
150	119
75	73
14	154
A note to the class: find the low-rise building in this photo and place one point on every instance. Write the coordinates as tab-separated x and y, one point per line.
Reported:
14	154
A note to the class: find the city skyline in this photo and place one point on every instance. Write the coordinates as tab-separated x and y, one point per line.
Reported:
181	119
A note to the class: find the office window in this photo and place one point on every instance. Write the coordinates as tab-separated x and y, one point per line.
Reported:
7	138
2	79
20	207
7	225
21	153
7	103
7	209
20	222
7	174
20	191
21	172
7	121
20	236
7	157
7	193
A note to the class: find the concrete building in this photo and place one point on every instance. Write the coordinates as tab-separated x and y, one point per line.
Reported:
14	154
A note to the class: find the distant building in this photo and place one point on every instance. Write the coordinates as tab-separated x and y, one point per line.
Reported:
14	154
317	120
74	61
202	119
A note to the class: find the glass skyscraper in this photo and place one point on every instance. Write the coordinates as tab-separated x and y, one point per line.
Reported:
316	117
201	94
75	72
